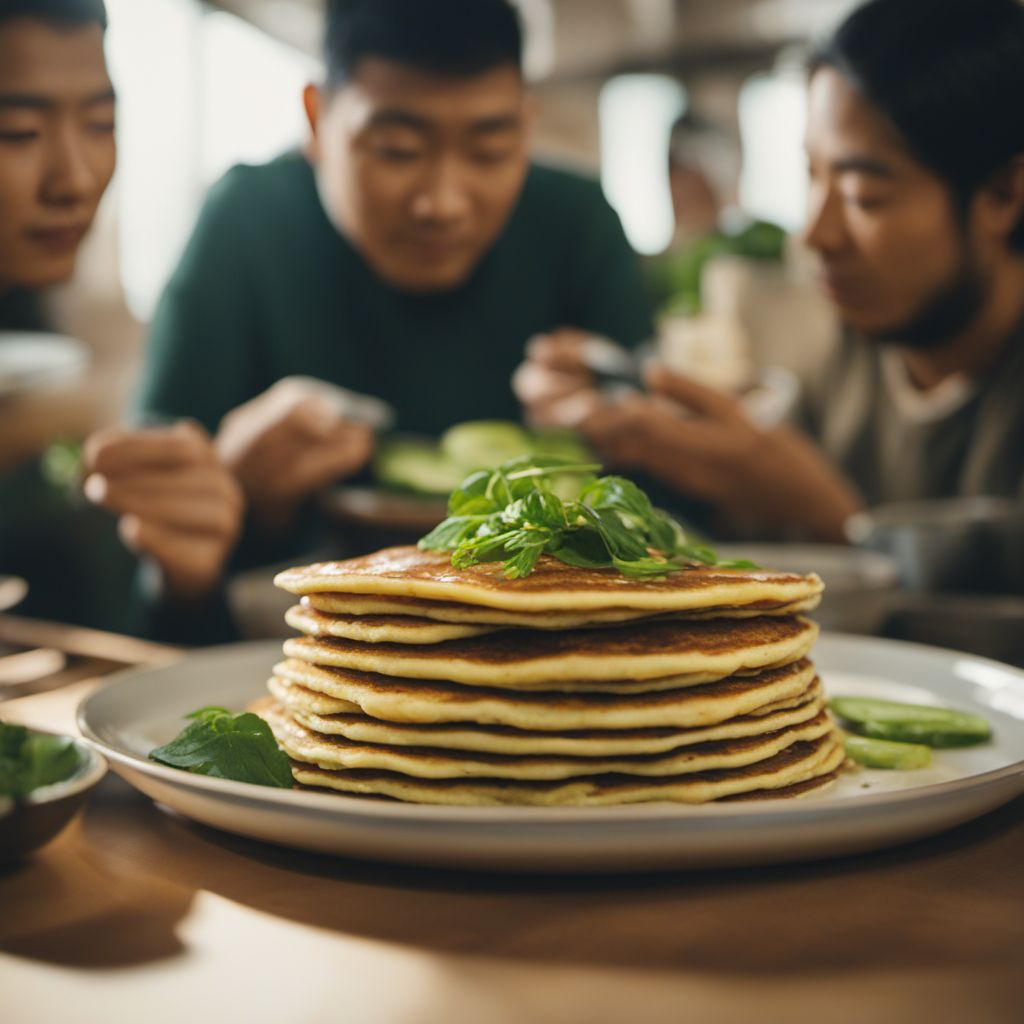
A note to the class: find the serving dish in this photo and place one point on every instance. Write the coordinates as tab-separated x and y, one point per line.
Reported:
865	810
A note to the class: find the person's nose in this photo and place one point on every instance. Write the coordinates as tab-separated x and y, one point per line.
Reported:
71	176
445	195
826	230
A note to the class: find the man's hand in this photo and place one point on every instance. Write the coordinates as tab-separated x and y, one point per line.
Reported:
700	442
554	384
176	501
285	445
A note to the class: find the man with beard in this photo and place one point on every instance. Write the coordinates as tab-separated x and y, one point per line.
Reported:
915	140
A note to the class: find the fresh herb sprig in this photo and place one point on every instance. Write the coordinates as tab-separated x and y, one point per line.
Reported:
29	760
511	514
227	746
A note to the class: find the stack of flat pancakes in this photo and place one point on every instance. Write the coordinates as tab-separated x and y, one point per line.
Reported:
420	682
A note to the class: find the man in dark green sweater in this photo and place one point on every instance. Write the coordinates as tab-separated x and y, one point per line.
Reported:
409	253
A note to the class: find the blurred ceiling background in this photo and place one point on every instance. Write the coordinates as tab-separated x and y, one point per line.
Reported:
595	38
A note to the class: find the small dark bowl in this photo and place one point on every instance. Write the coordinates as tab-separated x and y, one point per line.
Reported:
26	825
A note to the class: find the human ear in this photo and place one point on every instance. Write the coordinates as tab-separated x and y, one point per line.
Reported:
1001	201
312	101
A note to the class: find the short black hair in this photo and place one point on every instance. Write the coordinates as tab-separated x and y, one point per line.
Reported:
449	37
949	74
62	12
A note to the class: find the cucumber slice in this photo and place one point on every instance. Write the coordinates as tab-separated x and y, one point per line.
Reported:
883	754
416	466
912	723
932	733
484	444
566	444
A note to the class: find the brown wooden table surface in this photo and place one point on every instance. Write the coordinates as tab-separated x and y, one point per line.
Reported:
136	914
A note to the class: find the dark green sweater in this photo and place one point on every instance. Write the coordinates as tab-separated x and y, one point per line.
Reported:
267	288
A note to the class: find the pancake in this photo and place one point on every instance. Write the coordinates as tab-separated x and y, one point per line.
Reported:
305	745
692	652
552	586
395	629
796	764
467	614
793	792
312	710
402	700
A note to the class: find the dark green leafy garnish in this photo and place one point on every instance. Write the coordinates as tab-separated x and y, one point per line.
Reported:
512	515
227	746
29	760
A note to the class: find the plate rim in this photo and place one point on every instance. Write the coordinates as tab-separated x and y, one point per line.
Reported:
553	817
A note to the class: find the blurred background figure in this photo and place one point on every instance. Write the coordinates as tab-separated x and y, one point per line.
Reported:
916	207
57	157
703	177
733	292
406	254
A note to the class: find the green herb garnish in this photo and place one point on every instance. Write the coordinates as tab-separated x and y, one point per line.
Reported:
228	746
29	760
511	514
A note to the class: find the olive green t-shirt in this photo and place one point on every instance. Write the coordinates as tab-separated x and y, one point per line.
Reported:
973	448
267	287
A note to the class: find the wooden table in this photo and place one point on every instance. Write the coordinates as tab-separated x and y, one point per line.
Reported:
137	915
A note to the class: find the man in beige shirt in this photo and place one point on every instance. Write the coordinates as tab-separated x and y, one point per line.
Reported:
915	144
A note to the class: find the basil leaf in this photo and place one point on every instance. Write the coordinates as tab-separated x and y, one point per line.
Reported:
523	561
451	533
619	493
470	498
227	746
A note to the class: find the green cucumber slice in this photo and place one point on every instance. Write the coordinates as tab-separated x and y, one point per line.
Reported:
911	723
416	466
482	444
931	733
882	754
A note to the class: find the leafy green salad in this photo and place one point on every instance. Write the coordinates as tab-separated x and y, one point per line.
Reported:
30	760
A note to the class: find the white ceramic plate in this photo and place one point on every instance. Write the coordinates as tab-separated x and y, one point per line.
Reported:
32	360
143	708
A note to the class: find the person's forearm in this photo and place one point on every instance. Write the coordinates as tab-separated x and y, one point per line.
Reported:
790	483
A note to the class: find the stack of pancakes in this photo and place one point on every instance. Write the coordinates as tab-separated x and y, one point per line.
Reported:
420	682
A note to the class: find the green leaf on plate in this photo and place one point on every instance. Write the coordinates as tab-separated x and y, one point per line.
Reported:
227	746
